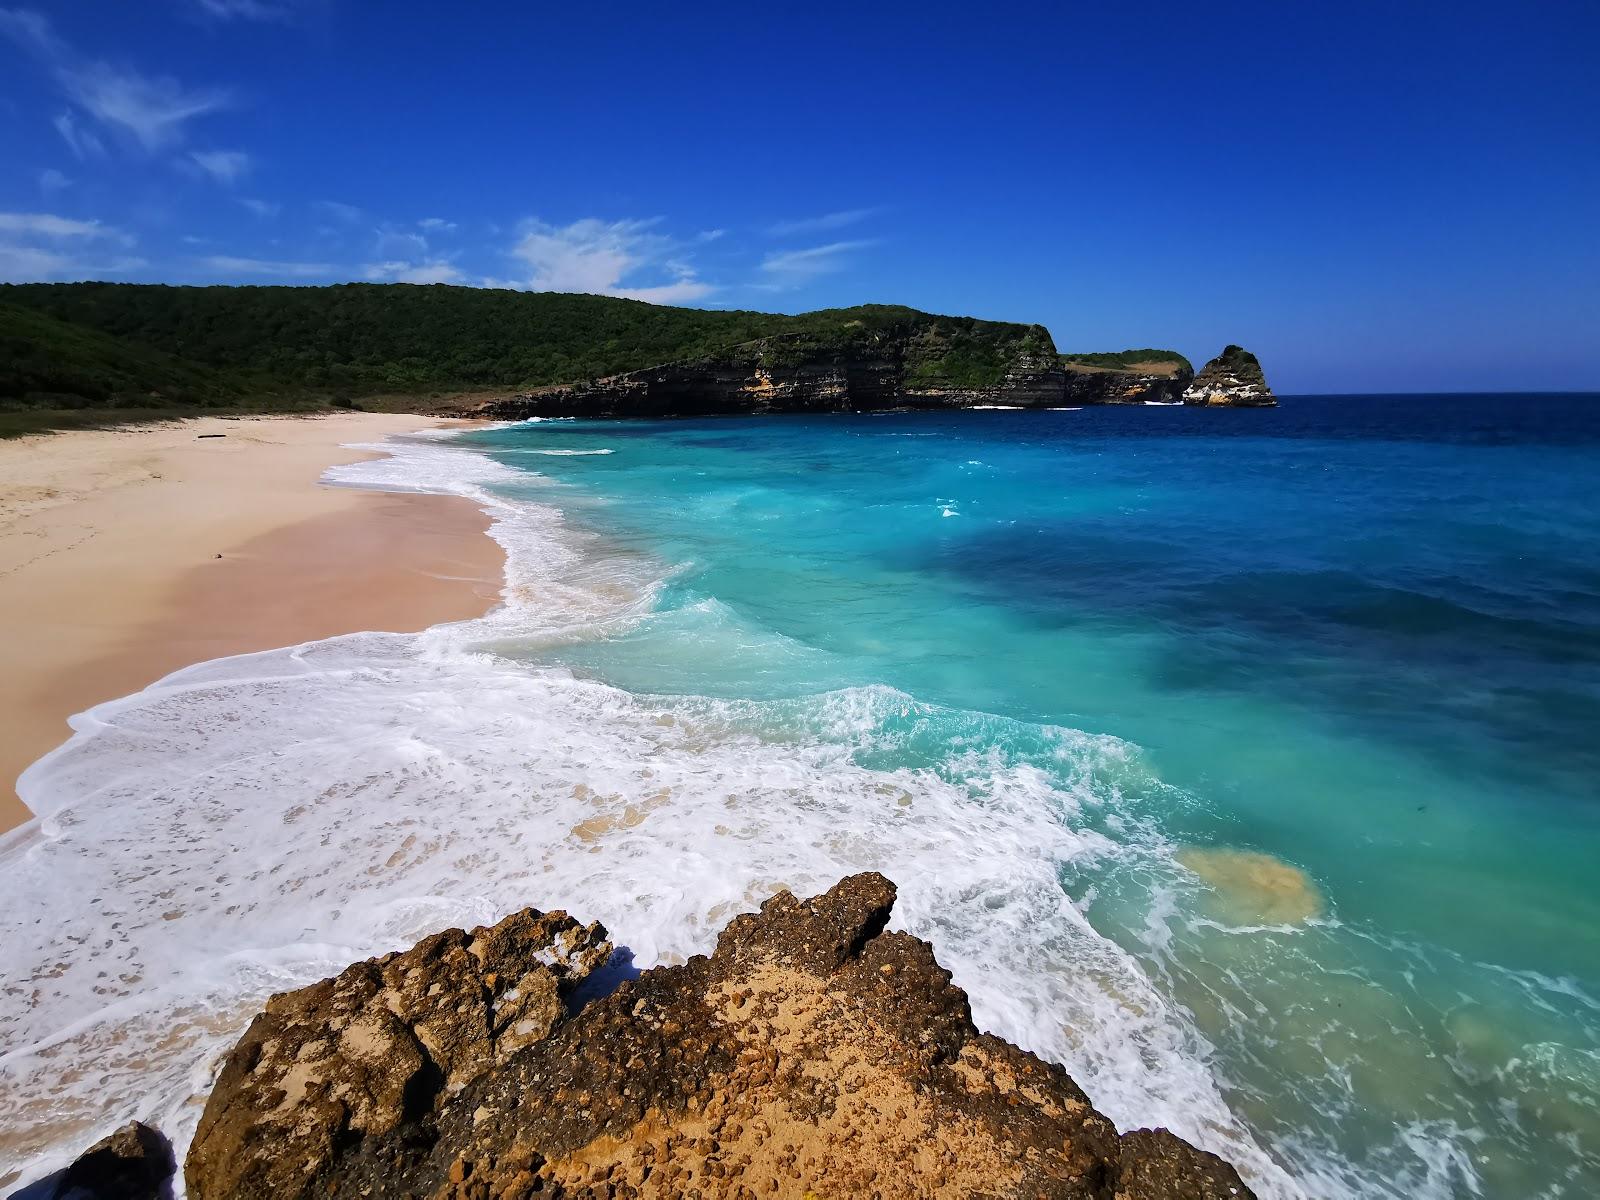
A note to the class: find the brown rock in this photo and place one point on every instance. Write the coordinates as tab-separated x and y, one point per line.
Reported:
813	1052
134	1163
372	1052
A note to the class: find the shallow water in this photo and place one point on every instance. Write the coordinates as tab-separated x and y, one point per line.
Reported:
1241	761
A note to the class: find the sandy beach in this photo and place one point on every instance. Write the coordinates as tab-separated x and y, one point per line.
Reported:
110	575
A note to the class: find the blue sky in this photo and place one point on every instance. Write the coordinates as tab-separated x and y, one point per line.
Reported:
1402	196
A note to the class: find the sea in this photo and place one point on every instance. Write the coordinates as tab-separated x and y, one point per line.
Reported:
1245	762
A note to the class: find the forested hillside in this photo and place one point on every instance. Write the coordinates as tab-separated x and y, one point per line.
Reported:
355	339
45	362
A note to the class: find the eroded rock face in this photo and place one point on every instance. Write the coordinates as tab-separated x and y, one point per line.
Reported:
1126	387
379	1051
1233	379
865	371
813	1052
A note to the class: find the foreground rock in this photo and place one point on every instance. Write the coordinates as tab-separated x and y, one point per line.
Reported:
134	1163
812	1053
381	1052
1233	379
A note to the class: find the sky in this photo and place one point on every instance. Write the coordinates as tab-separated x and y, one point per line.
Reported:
1373	197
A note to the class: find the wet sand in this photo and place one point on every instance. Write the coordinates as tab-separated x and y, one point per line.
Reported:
109	575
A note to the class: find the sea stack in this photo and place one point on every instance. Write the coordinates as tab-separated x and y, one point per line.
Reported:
1232	379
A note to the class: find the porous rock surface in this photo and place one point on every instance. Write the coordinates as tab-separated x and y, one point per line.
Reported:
1233	379
812	1054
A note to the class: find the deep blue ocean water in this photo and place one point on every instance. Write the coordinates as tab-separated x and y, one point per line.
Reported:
1357	634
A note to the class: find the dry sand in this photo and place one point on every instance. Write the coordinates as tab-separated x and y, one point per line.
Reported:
109	575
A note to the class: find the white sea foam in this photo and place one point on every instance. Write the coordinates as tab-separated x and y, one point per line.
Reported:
254	823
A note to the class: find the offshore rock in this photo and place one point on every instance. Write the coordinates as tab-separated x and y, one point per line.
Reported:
811	1053
134	1163
1233	379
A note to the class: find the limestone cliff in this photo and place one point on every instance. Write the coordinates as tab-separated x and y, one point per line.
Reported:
1233	379
812	1054
916	362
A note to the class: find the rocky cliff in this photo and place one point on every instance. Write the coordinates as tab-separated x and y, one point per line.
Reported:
920	364
813	1053
1127	385
1233	379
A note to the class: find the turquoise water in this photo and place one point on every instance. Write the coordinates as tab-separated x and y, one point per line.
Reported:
1242	762
1359	635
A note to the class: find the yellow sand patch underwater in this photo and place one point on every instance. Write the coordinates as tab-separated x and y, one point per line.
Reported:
1249	887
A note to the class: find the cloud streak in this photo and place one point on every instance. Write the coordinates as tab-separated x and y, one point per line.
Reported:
229	265
605	258
84	143
249	10
151	111
224	166
826	223
435	271
792	268
48	225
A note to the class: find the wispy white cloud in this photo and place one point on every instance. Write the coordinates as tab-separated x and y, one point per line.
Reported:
31	264
84	143
48	225
52	181
605	258
224	166
792	268
247	10
227	264
823	224
709	235
24	263
435	271
151	110
347	213
399	243
436	225
265	209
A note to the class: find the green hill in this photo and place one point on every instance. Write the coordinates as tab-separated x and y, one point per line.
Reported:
362	339
45	362
1129	360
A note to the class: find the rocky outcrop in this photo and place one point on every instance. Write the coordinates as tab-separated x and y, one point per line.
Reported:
1233	379
376	1055
942	363
1086	386
134	1163
876	370
812	1053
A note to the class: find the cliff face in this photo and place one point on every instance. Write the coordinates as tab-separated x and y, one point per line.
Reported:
907	366
1126	386
812	1053
1233	379
937	363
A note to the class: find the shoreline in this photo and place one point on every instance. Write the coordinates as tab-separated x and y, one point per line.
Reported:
127	554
